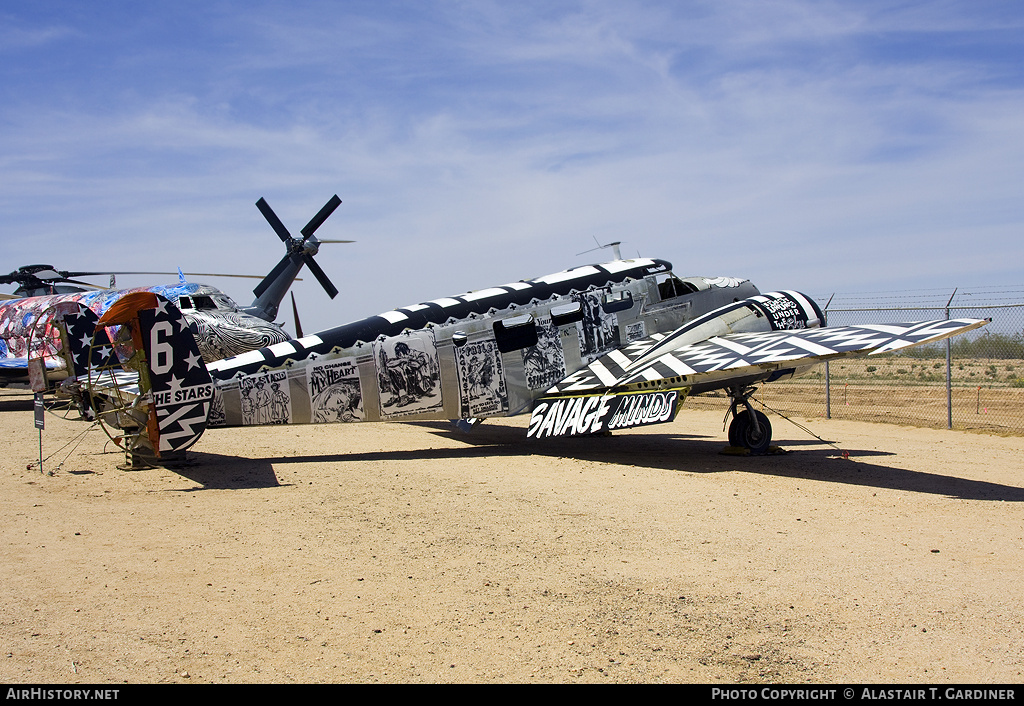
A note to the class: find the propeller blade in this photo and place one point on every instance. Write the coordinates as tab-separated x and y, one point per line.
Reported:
269	279
295	313
335	241
273	220
319	218
321	277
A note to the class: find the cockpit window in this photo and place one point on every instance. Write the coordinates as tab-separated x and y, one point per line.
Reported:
204	301
185	303
670	286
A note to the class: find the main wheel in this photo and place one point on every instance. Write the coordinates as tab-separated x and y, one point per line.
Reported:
742	431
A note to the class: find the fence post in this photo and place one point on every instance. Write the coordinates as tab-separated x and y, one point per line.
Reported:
828	380
824	313
949	369
828	394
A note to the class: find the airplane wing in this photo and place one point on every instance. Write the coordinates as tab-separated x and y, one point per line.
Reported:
631	392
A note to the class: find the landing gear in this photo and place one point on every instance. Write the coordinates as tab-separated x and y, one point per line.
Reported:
752	431
750	428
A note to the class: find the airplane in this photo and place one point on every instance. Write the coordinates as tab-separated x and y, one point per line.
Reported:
589	350
221	327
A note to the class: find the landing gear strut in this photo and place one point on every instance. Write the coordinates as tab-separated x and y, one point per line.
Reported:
749	428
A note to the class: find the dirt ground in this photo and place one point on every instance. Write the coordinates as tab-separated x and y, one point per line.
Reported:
414	553
992	409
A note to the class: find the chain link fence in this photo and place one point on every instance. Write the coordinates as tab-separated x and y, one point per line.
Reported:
973	381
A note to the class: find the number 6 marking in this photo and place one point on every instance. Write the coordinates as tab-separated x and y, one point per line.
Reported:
161	351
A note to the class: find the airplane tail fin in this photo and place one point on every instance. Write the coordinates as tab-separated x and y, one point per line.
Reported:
152	391
83	346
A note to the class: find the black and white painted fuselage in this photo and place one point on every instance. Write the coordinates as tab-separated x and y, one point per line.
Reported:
584	351
480	354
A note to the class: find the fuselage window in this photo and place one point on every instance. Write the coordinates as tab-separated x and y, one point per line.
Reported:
567	314
618	302
515	333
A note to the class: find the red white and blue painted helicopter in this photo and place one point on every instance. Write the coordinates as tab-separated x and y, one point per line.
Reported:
221	327
588	350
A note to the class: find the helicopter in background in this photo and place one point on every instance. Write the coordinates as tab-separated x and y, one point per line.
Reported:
220	326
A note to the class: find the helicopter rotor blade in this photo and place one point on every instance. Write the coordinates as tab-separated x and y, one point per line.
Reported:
295	314
269	279
321	276
83	284
320	217
273	220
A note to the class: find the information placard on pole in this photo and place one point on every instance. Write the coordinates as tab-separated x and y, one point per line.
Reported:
40	415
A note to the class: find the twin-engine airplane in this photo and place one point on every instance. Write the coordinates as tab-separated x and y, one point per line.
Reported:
584	351
221	327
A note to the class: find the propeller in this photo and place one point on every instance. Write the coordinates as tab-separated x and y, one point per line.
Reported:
300	250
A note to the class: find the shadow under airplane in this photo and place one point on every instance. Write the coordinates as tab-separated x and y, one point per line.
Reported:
671	452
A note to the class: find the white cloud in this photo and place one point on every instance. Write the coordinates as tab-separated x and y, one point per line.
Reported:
802	144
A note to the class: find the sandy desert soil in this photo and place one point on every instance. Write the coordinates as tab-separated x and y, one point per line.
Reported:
413	553
995	409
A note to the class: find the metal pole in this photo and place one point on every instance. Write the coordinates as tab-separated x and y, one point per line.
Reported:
949	370
40	423
828	393
828	380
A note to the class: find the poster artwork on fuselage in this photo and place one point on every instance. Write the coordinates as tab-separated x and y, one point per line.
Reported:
266	398
334	391
544	363
407	375
635	331
599	330
481	379
217	416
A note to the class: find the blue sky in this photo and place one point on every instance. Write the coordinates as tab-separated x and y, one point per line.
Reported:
822	146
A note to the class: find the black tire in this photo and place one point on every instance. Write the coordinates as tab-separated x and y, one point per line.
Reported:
741	432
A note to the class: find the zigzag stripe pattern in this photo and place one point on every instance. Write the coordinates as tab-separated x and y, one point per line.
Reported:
744	350
610	367
175	427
